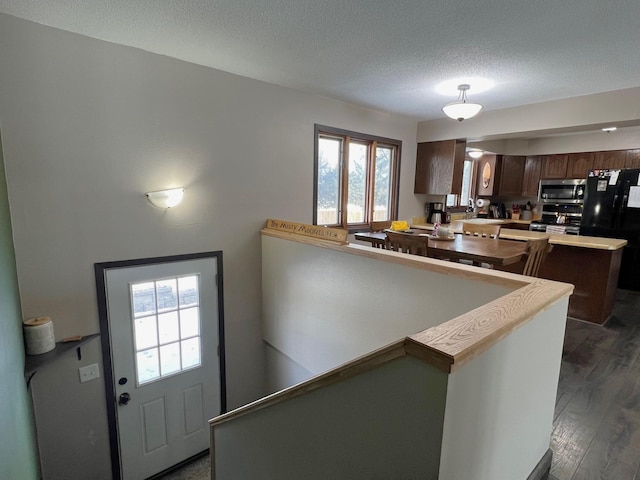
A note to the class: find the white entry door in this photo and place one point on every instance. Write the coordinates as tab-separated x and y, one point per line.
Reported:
163	324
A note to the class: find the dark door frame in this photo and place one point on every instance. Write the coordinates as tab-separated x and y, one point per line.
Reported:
100	275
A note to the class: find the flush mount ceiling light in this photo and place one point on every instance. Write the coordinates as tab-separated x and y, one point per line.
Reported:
475	153
461	109
166	198
609	129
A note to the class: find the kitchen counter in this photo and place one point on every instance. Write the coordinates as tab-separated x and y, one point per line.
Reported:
456	225
583	241
591	264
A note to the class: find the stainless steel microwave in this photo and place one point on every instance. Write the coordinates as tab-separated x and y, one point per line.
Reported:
562	191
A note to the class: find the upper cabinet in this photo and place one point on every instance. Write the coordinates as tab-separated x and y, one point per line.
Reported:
555	166
531	179
500	175
579	164
632	159
511	175
614	160
439	167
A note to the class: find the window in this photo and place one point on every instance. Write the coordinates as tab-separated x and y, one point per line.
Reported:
166	325
356	178
468	189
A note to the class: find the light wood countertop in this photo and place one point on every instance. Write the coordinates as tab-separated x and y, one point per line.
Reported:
583	241
456	225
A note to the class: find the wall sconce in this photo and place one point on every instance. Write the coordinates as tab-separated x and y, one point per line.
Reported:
165	198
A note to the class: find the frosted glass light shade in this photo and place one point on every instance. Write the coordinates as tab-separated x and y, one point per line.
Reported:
475	153
166	198
461	110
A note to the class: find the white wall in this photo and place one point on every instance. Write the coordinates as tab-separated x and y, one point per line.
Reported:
500	405
384	423
588	112
89	126
323	308
623	139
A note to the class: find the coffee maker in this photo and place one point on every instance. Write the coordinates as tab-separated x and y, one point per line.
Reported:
436	213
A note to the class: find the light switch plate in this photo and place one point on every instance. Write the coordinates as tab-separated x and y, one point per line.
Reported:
90	372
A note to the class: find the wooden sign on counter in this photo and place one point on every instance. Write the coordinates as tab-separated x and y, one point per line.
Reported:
337	235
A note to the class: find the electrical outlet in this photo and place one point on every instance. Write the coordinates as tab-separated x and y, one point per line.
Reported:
90	372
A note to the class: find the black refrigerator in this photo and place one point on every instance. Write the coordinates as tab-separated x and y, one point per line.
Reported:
612	209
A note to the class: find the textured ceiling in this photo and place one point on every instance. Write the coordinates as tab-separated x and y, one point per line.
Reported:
383	54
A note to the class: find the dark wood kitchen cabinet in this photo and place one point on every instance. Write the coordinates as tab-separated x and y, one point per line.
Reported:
609	160
632	159
511	175
579	164
555	166
531	179
439	167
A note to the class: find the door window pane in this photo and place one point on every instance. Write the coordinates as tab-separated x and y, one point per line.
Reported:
148	368
146	333
188	291
190	353
167	294
357	182
166	326
144	298
189	322
170	359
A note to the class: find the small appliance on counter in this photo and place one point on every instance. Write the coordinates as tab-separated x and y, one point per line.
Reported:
482	205
436	213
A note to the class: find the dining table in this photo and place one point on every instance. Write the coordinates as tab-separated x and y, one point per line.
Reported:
493	251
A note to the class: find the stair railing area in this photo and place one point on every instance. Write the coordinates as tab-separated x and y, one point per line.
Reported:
468	396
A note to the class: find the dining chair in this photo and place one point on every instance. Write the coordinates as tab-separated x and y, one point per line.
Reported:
537	250
380	226
481	229
485	230
407	243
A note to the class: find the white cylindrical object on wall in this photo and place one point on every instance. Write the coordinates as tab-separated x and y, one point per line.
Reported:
38	335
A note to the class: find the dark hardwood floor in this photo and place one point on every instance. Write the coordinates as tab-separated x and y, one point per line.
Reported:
596	429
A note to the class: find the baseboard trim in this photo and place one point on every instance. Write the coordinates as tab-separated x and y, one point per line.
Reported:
541	470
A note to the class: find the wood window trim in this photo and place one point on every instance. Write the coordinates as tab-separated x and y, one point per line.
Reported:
372	142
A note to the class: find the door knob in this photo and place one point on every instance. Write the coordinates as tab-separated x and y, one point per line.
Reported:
124	398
